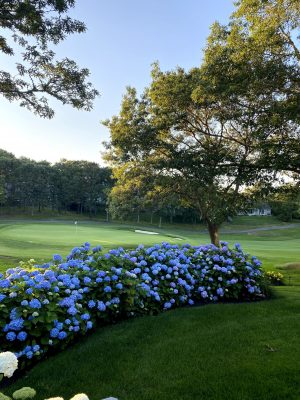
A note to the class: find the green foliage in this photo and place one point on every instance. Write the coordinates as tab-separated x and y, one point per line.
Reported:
252	66
285	202
176	141
285	211
67	185
32	26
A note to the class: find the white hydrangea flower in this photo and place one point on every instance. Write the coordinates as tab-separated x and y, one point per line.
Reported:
55	398
24	393
110	398
80	396
8	364
3	397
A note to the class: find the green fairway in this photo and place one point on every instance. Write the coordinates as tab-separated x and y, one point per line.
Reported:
216	352
21	240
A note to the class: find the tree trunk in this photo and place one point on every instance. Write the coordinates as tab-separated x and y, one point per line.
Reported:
213	230
159	225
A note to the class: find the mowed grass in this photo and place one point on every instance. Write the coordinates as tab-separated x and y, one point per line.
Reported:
215	352
219	351
21	240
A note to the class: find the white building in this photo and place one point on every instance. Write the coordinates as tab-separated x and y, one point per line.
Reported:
263	210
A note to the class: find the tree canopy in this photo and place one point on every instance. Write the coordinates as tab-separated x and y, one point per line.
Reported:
253	65
220	133
174	138
31	27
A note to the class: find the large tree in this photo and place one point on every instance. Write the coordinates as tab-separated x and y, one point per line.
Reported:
30	27
232	125
188	144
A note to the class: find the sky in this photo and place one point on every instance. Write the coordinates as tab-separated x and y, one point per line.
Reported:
123	39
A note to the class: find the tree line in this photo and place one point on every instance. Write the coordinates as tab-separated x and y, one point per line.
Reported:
79	186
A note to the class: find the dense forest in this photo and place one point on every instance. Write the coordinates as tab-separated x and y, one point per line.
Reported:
79	186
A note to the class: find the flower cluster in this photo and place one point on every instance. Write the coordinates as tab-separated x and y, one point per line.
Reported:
8	365
275	278
45	307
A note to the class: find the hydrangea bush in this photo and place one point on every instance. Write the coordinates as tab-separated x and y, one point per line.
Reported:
45	307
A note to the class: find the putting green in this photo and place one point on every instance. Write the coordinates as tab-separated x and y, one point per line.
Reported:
41	240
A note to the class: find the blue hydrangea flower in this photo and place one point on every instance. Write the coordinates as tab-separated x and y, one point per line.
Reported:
62	335
91	304
85	316
54	332
57	258
107	289
11	336
22	336
35	303
101	306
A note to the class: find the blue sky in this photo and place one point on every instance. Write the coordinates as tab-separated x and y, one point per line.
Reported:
123	38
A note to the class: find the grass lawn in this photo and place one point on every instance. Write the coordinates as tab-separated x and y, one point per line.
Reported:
21	240
225	351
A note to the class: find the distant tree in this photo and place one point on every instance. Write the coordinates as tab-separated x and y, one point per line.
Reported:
81	185
32	184
127	198
30	26
8	166
285	202
2	189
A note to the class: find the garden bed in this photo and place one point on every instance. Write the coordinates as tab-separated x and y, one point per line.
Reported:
46	307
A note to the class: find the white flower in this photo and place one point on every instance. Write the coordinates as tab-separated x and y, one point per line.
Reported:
8	364
110	398
55	398
24	393
80	396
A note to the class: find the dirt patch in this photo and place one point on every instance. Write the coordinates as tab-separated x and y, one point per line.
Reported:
291	266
